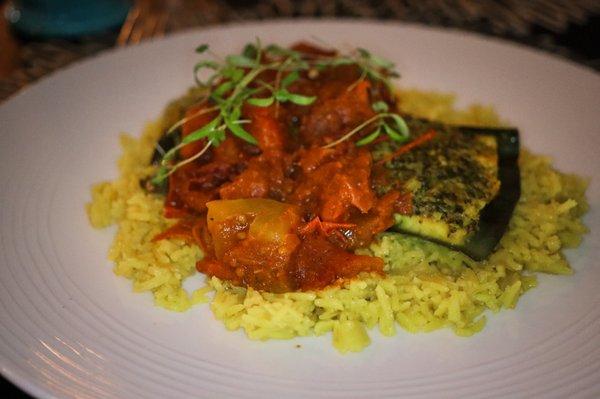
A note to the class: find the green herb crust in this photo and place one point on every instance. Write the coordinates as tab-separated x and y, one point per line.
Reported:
451	180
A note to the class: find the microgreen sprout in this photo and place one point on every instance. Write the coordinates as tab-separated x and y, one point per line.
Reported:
386	122
392	124
238	80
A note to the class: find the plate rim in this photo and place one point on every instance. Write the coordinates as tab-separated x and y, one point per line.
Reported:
36	390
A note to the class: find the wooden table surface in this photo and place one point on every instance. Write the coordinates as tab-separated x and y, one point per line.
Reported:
8	48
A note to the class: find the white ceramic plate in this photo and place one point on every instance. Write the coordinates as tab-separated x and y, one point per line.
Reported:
70	328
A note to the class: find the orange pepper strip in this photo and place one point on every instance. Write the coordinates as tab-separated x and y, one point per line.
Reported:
329	226
310	226
325	227
424	138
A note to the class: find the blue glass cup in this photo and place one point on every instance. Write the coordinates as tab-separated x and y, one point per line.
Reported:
66	18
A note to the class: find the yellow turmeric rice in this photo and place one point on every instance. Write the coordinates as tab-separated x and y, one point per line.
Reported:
427	286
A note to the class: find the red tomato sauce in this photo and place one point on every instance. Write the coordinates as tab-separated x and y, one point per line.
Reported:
286	214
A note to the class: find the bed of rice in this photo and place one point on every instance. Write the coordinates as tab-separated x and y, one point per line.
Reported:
427	286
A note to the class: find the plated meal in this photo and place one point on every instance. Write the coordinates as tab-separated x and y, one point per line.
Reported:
317	197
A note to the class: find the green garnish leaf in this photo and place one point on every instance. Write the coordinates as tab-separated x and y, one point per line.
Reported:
283	95
222	89
201	133
376	60
169	155
160	176
394	135
400	125
240	132
235	113
283	52
321	64
363	53
382	62
300	99
261	102
250	51
218	136
369	138
232	73
240	61
380	106
289	79
201	48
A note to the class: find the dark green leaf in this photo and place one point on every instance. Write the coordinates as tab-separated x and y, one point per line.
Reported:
250	51
201	48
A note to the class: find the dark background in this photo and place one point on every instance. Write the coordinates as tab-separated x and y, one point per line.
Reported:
566	28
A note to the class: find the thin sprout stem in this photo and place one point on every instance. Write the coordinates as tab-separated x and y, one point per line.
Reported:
321	41
181	145
259	50
362	77
278	83
215	55
191	117
246	81
265	86
356	130
164	161
190	159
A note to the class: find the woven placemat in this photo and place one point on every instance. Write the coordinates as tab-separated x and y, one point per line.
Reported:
544	24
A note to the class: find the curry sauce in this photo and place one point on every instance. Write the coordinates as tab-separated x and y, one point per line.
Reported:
285	209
